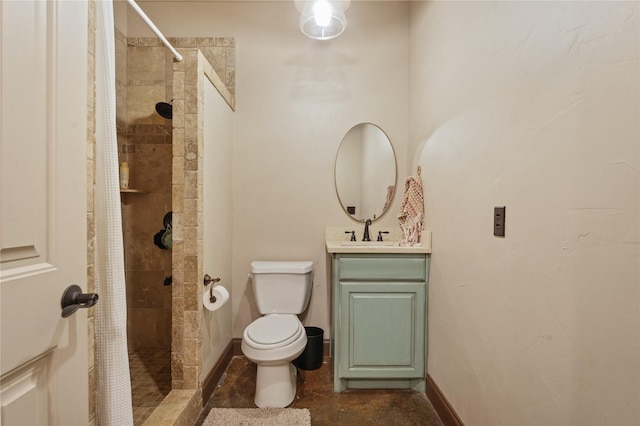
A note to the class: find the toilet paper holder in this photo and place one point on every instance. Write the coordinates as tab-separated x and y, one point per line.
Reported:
208	280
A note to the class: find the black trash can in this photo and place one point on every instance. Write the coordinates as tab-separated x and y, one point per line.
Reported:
311	357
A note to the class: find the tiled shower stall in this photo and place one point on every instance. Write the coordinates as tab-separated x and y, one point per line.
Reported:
144	77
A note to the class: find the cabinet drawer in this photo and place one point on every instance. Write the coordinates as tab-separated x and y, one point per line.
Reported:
382	267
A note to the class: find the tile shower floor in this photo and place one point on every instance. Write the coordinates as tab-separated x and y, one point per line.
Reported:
150	370
398	407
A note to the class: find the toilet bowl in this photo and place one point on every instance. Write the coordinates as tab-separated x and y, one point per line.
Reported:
282	291
273	349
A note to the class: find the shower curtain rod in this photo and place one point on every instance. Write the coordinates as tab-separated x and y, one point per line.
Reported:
155	30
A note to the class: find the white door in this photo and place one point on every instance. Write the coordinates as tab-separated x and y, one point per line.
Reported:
43	236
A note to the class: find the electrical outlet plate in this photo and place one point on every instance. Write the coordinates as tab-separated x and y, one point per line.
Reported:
498	221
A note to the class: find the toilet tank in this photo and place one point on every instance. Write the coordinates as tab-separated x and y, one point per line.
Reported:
282	287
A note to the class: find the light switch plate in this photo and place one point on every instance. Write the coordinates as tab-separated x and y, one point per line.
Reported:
498	221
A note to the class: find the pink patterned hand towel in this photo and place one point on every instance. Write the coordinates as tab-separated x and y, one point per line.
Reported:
411	214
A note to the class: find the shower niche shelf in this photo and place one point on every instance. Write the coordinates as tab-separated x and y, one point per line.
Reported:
124	193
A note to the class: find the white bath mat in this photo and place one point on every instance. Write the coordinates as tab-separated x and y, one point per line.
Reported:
258	417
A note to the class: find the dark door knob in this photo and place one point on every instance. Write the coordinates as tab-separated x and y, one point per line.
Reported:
73	299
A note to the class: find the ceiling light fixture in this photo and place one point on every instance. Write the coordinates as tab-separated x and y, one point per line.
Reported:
322	19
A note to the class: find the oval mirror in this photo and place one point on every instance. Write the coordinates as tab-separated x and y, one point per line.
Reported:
365	172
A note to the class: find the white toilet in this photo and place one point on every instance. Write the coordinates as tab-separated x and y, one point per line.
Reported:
282	291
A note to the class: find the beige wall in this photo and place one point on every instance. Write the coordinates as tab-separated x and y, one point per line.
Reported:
534	106
217	217
295	99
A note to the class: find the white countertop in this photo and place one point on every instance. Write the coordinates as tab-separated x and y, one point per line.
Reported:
391	246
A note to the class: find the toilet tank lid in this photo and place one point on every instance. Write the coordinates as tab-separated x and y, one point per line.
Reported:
273	267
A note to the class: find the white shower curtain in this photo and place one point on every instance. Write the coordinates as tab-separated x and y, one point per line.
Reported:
112	362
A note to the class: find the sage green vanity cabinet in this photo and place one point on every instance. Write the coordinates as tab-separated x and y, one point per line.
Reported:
379	311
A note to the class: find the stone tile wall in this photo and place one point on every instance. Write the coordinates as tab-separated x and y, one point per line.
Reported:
188	170
144	77
145	143
91	235
220	52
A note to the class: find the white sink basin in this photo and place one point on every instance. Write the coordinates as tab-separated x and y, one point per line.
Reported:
369	243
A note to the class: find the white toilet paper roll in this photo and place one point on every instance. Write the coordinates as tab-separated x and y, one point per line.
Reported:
220	297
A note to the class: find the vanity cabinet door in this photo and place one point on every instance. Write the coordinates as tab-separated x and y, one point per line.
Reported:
383	330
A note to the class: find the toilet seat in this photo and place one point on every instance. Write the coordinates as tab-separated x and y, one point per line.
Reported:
273	331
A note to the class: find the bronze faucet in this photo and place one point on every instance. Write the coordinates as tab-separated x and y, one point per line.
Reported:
365	237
